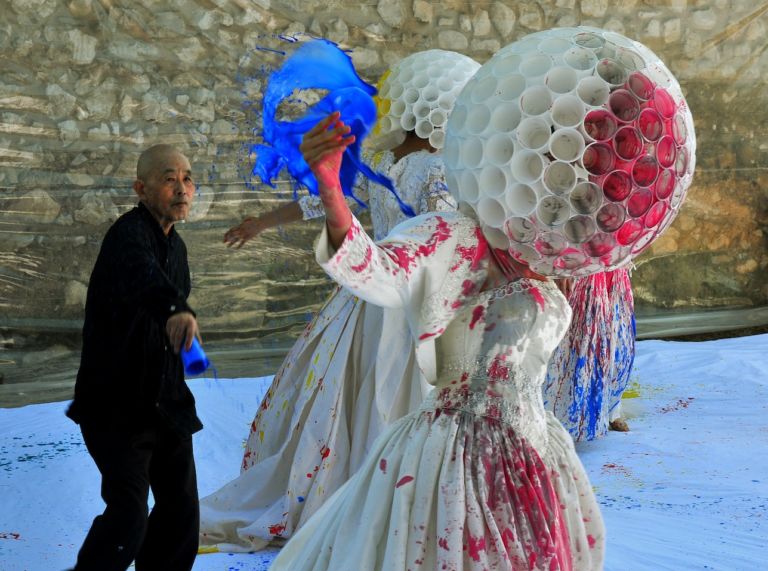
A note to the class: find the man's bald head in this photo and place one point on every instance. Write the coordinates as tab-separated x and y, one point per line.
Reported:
164	184
151	158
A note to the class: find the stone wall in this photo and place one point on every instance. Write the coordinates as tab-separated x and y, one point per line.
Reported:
87	84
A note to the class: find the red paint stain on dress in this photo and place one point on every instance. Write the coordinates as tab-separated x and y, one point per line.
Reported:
403	481
592	541
477	315
402	256
443	543
276	529
325	452
475	546
383	465
538	298
365	263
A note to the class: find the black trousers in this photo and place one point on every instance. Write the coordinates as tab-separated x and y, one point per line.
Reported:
132	462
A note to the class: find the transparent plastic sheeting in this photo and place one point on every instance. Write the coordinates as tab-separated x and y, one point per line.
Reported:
85	87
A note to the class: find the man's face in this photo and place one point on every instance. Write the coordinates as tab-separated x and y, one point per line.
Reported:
167	189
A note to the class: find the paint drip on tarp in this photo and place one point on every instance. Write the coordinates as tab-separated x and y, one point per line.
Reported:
322	65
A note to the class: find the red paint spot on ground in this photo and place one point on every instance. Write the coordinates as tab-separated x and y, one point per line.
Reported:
680	404
403	481
9	535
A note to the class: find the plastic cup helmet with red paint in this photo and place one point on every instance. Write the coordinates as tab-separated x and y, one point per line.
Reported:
574	147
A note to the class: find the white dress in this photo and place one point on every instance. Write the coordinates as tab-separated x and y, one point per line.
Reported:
333	395
480	476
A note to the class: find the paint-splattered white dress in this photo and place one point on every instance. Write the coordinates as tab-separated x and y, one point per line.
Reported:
590	369
337	389
480	476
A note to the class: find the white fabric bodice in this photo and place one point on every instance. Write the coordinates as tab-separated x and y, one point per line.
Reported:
492	357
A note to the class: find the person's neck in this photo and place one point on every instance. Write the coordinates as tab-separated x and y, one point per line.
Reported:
412	144
165	225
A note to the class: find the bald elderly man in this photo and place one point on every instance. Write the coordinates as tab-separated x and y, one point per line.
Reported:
135	411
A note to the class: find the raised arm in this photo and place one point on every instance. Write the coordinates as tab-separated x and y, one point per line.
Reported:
323	147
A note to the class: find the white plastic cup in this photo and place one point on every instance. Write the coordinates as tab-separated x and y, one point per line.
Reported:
521	199
536	100
505	65
561	79
536	65
478	118
468	187
511	87
552	211
566	144
499	149
483	89
438	117
493	181
472	152
506	117
526	166
533	133
437	138
491	212
579	229
408	121
585	197
423	129
559	177
397	108
520	230
593	91
612	72
430	93
580	58
568	111
421	110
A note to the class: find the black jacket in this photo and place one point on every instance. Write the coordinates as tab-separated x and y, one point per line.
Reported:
129	375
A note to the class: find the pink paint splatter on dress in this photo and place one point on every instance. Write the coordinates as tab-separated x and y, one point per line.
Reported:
443	543
477	315
365	263
325	452
475	546
468	287
592	541
383	465
401	255
498	371
403	481
536	293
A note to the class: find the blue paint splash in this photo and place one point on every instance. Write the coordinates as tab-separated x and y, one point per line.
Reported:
317	64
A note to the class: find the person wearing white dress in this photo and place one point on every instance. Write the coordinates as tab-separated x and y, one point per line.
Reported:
480	476
339	386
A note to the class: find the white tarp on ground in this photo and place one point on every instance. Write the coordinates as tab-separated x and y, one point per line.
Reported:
686	489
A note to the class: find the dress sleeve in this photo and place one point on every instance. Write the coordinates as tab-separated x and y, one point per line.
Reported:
428	265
